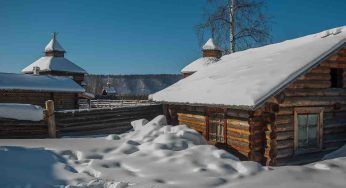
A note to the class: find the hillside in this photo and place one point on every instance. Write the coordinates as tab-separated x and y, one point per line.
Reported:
131	84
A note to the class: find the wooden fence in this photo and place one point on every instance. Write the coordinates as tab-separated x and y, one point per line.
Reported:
102	121
107	103
78	122
10	128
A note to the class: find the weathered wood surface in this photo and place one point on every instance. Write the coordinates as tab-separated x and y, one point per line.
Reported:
10	128
62	100
102	121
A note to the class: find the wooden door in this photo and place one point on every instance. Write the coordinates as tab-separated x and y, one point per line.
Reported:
217	127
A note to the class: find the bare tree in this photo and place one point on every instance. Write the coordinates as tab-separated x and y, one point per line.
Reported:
235	24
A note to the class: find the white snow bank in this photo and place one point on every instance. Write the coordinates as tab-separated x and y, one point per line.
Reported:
153	155
21	111
341	152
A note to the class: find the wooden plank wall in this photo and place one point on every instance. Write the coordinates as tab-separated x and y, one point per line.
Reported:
10	128
102	121
313	90
62	100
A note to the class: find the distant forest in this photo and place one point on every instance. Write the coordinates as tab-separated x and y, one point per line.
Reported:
131	84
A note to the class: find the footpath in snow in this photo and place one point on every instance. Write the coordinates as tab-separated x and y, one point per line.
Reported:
154	154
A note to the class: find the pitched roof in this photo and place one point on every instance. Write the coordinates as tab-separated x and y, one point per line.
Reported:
51	63
11	81
199	64
250	77
210	45
54	45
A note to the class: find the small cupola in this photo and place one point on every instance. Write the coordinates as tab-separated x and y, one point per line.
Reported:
54	48
210	49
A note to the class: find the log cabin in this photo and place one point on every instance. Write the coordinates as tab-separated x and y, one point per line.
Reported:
211	54
280	104
54	63
37	89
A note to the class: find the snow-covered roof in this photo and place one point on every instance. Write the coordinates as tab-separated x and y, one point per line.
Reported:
248	78
54	45
210	45
11	81
51	63
199	64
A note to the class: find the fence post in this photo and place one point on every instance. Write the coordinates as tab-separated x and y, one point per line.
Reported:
51	119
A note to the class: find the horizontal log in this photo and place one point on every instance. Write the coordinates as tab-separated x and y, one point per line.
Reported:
284	135
310	84
192	116
95	126
283	153
237	113
313	101
284	119
314	92
196	123
238	122
320	69
316	76
282	144
284	127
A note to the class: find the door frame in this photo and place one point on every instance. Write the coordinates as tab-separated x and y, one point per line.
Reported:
210	111
308	110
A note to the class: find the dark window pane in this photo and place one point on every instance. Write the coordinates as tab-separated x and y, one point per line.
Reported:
302	131
336	77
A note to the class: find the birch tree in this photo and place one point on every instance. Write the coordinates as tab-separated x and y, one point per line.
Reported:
235	24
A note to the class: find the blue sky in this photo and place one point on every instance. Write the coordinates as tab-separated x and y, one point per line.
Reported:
135	36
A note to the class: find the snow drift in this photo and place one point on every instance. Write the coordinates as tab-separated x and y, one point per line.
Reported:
152	155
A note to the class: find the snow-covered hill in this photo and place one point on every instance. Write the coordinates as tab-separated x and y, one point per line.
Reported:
131	84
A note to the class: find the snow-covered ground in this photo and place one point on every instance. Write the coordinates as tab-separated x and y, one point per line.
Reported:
152	155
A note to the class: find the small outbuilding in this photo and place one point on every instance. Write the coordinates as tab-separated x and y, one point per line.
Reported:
109	90
279	104
37	89
54	63
211	54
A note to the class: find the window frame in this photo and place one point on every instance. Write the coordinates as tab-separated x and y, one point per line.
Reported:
308	110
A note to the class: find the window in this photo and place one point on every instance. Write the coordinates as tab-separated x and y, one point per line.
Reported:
336	78
307	129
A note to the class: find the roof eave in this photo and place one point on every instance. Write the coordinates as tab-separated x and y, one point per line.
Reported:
237	107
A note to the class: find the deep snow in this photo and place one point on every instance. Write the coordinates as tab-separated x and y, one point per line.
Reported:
152	155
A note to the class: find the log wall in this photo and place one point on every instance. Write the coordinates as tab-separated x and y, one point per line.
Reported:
312	90
243	138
